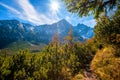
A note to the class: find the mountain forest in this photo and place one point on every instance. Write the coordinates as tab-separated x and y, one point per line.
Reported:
61	51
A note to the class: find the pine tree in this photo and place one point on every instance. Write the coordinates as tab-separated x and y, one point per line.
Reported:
87	7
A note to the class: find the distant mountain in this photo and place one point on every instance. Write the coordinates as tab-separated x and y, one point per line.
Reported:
84	31
13	30
46	32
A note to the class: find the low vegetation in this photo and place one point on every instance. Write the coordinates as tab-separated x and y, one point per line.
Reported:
70	60
56	62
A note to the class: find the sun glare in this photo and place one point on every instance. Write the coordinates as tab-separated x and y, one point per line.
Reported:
54	6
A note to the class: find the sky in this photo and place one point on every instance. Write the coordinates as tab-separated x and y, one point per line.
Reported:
39	12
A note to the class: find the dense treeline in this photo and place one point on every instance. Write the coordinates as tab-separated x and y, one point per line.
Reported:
106	62
56	62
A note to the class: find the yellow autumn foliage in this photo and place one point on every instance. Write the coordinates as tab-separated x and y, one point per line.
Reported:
106	64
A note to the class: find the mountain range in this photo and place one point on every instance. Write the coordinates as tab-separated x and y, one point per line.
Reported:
14	30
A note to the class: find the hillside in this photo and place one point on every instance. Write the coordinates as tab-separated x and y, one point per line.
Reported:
13	30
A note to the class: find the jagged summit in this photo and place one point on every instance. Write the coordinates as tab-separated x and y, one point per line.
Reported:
63	20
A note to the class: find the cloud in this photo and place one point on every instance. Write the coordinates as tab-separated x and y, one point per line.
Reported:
29	13
54	10
10	8
90	23
67	18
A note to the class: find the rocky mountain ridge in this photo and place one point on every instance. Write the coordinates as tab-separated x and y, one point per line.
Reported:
13	30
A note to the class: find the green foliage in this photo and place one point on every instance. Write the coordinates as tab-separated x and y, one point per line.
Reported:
56	61
107	31
60	61
106	62
87	7
17	45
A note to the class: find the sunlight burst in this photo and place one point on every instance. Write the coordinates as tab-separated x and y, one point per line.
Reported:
54	6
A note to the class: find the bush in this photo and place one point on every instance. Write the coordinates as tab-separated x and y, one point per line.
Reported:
107	30
106	64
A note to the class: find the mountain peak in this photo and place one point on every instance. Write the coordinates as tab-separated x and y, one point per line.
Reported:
82	26
63	21
79	24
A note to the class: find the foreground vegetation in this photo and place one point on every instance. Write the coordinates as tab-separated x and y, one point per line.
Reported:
70	60
55	62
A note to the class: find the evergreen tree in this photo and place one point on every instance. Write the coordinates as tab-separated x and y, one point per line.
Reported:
87	7
107	31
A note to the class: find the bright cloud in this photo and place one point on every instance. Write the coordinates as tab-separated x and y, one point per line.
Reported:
10	8
67	18
55	10
91	22
30	14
